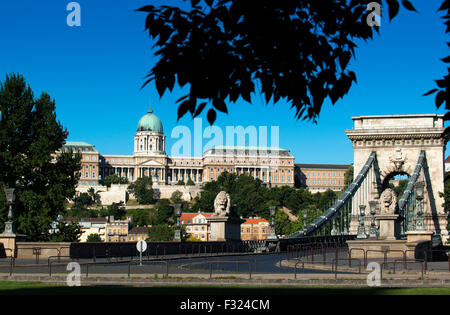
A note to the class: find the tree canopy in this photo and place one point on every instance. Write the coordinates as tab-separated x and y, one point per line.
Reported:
30	136
142	190
228	49
252	198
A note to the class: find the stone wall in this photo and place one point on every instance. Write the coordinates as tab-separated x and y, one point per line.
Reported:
118	193
28	250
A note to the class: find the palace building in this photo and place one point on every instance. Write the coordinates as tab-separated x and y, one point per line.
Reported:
273	166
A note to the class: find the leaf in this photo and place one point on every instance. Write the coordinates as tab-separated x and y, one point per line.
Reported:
393	8
147	8
446	59
200	108
344	59
161	85
440	98
430	92
183	108
408	5
220	105
211	116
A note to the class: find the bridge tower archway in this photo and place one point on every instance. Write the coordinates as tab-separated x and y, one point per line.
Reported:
399	141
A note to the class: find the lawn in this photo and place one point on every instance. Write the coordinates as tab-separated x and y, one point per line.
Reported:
36	288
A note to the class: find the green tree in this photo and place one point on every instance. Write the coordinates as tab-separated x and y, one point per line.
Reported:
142	190
223	50
161	233
117	210
94	196
94	238
190	182
29	137
282	223
142	217
66	232
164	212
84	199
348	176
400	188
180	183
114	179
176	197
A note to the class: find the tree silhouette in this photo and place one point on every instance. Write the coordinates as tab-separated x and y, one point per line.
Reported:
442	96
297	50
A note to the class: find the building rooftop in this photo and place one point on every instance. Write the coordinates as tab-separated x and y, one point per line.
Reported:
93	220
139	230
324	166
248	149
79	146
185	216
255	221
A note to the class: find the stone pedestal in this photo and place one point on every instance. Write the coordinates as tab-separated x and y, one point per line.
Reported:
419	236
9	244
388	227
225	228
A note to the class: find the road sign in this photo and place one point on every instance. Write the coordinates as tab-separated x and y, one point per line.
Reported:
141	246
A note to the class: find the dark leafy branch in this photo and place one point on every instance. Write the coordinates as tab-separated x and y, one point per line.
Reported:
296	50
442	96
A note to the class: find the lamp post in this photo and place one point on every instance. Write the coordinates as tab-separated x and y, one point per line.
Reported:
10	198
273	235
373	211
419	190
305	216
361	228
178	209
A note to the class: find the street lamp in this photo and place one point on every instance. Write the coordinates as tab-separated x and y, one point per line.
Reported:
10	198
305	216
272	235
419	191
177	210
373	211
361	228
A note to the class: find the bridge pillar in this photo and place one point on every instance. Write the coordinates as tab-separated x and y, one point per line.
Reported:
398	141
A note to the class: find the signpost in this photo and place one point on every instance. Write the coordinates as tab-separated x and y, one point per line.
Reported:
141	247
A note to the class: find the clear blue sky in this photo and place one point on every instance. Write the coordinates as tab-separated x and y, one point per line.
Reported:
95	72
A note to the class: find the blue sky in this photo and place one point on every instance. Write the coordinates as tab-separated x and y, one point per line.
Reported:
95	72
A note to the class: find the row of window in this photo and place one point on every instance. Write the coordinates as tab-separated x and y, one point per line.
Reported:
263	178
245	161
323	174
255	230
322	182
88	158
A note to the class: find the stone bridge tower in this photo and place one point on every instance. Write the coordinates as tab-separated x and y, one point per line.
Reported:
398	141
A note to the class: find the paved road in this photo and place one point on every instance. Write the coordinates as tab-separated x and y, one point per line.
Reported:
229	264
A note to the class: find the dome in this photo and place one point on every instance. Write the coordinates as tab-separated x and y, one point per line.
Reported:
150	122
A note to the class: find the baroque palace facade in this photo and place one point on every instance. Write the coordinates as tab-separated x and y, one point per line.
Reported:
274	166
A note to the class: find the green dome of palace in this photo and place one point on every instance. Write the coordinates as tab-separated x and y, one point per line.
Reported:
150	122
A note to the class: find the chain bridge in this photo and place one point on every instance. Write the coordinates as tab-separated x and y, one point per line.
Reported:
384	147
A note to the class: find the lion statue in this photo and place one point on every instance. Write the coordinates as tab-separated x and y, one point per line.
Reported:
222	204
388	201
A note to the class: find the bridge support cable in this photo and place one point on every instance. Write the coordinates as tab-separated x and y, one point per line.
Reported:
336	220
407	203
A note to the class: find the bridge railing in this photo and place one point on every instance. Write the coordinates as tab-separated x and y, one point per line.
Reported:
406	204
342	208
